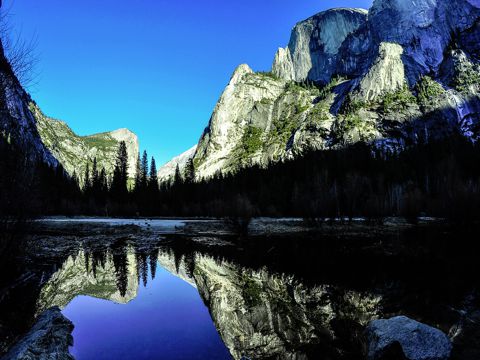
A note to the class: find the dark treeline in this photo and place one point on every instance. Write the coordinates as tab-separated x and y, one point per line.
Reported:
440	179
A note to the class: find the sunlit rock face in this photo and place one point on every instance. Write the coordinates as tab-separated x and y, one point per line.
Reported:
167	172
314	45
386	74
81	275
75	152
373	64
244	113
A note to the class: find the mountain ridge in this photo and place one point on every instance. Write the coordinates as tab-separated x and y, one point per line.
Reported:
407	71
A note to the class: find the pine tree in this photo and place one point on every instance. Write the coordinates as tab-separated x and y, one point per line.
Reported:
144	170
190	171
94	174
75	178
119	188
102	180
122	161
153	178
86	180
138	175
178	176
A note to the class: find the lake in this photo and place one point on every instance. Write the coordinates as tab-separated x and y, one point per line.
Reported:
155	291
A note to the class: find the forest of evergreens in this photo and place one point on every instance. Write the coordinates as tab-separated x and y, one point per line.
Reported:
440	179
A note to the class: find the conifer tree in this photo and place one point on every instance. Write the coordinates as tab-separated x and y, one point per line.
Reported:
119	188
138	175
86	180
178	176
75	177
153	178
102	180
144	170
190	171
94	174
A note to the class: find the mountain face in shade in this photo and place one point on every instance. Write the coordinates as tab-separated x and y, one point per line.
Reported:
402	72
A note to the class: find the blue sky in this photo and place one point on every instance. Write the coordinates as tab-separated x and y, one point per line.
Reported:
156	67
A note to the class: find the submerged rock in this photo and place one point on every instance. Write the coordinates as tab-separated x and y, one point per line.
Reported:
404	338
49	339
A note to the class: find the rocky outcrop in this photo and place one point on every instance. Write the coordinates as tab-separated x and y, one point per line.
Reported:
372	74
314	45
74	152
167	172
17	123
49	339
386	74
404	338
243	114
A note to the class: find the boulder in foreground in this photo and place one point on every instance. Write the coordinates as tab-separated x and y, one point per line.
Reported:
404	338
49	339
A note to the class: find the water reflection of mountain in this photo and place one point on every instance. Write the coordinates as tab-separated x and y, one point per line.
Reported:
81	275
287	298
258	314
262	315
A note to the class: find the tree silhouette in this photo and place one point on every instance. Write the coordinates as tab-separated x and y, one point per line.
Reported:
119	189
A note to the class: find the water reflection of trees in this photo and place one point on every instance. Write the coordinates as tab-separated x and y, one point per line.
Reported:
145	262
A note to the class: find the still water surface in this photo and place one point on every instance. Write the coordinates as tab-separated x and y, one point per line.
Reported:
142	293
167	320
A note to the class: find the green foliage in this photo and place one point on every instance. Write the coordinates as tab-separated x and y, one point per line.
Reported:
351	121
284	126
352	106
466	78
398	100
428	90
327	89
100	141
266	101
294	87
252	140
320	112
301	108
267	74
251	292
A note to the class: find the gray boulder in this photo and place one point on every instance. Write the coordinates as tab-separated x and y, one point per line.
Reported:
49	339
404	338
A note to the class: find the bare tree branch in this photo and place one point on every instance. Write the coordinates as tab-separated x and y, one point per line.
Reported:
20	53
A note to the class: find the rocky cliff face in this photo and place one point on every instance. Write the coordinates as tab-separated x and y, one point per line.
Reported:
403	71
167	171
75	152
17	123
315	43
52	141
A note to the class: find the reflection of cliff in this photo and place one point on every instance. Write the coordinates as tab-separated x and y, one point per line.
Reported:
260	315
110	277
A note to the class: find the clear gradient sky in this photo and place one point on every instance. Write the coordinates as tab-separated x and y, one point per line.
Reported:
156	67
